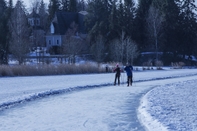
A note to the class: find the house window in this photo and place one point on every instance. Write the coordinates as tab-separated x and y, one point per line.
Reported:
57	42
34	22
37	22
30	22
49	42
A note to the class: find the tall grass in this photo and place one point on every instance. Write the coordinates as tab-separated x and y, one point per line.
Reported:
41	70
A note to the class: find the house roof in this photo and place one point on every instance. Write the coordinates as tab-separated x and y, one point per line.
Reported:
63	20
33	15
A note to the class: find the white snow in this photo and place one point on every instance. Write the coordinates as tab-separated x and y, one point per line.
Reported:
158	100
175	107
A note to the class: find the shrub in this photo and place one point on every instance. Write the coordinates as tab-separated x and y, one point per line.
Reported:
41	70
177	65
159	64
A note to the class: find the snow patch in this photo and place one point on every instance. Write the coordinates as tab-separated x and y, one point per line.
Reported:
146	119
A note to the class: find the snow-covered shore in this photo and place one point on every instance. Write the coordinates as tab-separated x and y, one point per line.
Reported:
110	107
171	107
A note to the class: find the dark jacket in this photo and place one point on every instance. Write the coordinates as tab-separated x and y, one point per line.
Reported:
117	70
129	70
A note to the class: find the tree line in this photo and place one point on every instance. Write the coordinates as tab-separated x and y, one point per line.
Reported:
118	30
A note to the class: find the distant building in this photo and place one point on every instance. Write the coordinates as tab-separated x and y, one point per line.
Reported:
34	20
60	25
37	37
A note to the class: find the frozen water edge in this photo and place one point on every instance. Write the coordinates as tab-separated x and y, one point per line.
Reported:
142	84
33	96
146	119
171	107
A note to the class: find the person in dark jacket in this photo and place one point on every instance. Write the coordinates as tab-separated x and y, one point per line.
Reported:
117	76
129	71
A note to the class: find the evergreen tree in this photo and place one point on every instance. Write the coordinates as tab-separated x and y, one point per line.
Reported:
114	27
65	5
54	5
69	5
97	18
171	27
122	18
3	32
130	11
188	28
81	5
10	7
140	23
43	15
73	6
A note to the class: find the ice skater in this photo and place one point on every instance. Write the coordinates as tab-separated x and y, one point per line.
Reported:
117	75
129	71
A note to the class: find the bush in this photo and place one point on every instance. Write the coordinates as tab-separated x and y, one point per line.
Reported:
159	64
177	65
41	70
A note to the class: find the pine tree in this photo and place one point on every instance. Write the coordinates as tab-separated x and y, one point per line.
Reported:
171	27
43	15
3	32
188	28
81	5
121	18
54	5
65	5
114	27
140	23
130	11
97	18
73	6
69	5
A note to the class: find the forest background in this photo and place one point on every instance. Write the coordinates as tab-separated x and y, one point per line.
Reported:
118	30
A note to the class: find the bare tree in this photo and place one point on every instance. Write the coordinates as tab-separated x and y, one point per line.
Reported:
38	38
123	49
154	22
72	44
98	49
116	50
19	43
38	20
130	50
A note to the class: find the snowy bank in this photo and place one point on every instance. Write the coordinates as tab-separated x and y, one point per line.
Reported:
91	102
172	107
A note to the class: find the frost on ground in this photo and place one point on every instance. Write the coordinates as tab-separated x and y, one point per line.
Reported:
90	102
174	105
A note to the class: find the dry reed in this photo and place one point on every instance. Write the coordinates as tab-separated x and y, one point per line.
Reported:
41	70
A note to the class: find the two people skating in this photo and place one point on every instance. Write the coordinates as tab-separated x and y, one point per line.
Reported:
129	71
